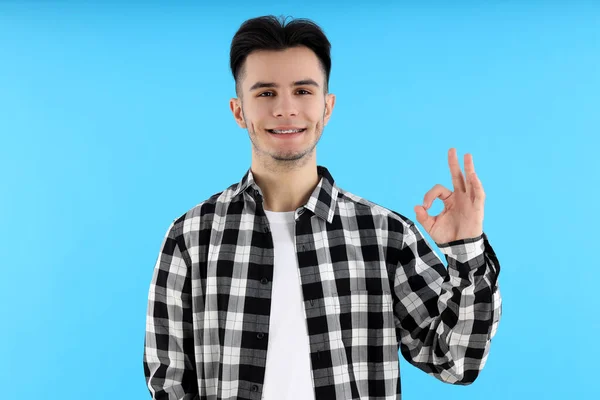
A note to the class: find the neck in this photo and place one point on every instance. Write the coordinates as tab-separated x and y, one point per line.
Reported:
286	188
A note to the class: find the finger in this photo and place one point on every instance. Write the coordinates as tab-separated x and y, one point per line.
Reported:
457	177
469	171
474	186
423	218
438	191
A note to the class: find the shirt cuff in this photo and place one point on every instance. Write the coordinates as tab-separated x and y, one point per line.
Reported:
464	250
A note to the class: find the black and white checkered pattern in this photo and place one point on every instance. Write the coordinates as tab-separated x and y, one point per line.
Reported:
371	285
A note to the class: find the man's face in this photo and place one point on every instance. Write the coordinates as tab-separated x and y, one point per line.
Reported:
283	89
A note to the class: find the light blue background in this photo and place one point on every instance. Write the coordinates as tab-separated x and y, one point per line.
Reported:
114	120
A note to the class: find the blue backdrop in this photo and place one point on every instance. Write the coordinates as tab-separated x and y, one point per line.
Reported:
114	120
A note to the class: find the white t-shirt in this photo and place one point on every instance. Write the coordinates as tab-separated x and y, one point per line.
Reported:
288	373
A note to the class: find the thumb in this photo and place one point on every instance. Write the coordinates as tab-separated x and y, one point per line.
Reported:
423	218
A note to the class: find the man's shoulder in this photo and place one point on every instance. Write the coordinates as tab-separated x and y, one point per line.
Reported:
202	212
365	207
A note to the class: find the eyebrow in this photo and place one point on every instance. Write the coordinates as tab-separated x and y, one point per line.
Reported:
304	82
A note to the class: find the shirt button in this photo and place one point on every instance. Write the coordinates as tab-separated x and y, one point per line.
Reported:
254	388
264	281
266	229
260	335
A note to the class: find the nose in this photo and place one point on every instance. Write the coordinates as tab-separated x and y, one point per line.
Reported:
285	105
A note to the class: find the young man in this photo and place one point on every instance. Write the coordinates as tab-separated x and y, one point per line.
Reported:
285	286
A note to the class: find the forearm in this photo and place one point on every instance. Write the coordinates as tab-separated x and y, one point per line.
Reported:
168	352
448	327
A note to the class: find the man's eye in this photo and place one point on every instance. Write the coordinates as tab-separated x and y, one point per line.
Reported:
306	91
261	95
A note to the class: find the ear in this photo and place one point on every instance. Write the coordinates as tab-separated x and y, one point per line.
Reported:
236	109
329	104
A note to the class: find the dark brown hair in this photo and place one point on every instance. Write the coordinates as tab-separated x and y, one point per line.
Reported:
270	33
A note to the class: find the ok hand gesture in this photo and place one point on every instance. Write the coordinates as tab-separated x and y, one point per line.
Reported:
462	216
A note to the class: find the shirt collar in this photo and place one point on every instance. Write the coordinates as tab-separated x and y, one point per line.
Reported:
322	201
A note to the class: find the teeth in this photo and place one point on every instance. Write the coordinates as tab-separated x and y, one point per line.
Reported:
287	131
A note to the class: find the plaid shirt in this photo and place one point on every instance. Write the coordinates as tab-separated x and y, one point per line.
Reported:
371	285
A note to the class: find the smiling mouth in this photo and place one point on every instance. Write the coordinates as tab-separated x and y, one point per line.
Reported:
286	132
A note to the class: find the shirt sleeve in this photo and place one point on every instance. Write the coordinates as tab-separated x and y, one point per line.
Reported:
169	363
447	316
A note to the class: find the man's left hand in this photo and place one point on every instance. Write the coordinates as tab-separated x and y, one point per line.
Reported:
462	216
